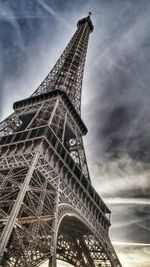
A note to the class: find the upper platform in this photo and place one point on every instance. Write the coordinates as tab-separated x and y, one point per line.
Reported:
49	95
86	20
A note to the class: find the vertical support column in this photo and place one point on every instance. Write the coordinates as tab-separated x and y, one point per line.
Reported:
53	259
10	224
53	112
36	114
63	134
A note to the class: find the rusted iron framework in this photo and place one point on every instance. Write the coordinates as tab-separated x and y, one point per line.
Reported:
48	206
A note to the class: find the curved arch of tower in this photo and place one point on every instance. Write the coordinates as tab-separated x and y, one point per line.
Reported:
81	243
49	209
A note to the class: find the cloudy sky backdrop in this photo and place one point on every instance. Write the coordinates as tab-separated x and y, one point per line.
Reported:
115	102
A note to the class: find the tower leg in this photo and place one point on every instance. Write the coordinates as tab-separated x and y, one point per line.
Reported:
10	224
53	259
52	262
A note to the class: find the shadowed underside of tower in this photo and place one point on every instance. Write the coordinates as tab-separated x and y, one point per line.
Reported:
48	206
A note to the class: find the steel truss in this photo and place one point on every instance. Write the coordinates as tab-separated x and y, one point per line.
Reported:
48	207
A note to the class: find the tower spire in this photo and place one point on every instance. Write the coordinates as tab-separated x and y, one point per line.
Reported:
67	74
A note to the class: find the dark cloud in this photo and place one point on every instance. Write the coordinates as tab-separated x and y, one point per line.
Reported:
121	80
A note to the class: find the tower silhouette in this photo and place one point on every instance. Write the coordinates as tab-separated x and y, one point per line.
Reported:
48	207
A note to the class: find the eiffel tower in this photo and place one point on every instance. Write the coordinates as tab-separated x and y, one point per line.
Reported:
49	209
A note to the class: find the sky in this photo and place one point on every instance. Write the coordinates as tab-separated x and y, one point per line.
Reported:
115	98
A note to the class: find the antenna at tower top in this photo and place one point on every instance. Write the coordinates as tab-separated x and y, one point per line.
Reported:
90	13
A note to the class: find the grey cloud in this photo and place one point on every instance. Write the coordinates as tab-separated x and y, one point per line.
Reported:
123	177
121	89
119	145
136	255
130	222
52	12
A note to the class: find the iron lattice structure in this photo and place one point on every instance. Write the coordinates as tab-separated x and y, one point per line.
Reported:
48	206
